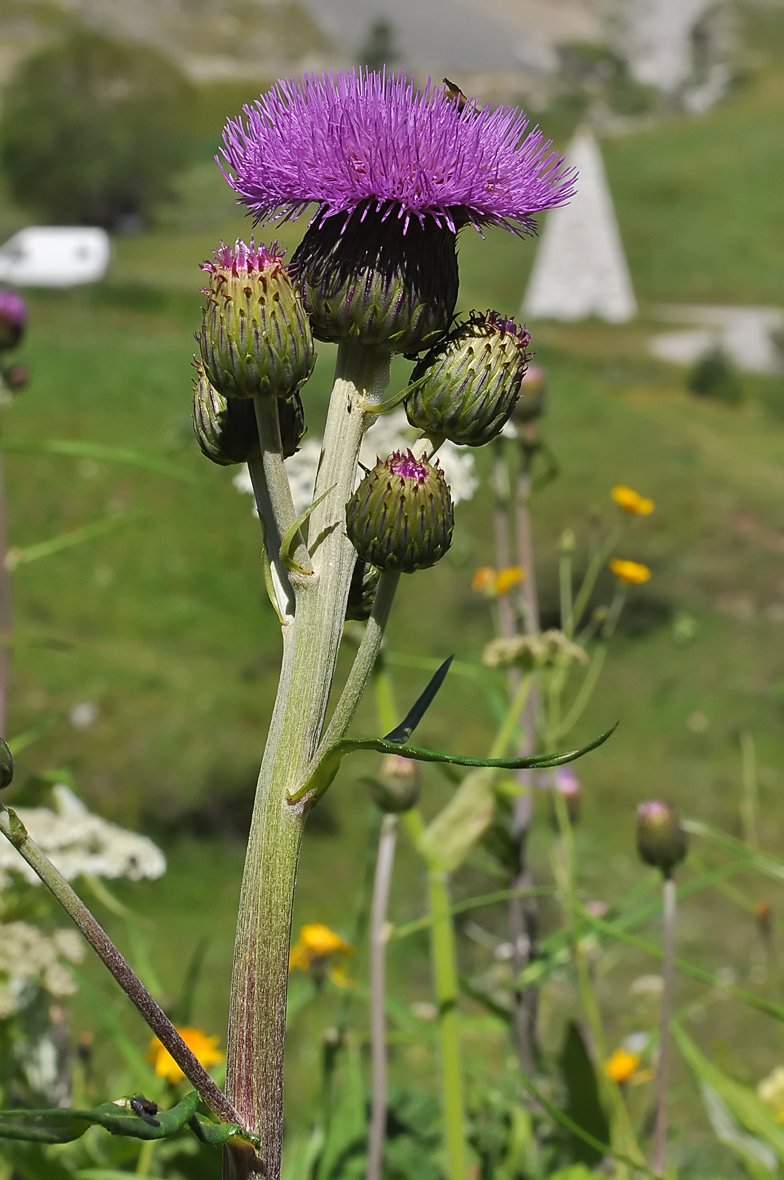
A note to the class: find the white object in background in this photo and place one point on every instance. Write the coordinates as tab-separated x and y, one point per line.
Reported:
748	335
55	256
580	269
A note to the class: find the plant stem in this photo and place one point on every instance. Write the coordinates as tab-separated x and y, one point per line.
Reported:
443	950
284	595
14	831
278	491
378	1030
589	581
669	904
257	1014
749	805
5	605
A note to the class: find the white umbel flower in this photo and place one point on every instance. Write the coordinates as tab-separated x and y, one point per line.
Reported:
81	844
390	432
30	959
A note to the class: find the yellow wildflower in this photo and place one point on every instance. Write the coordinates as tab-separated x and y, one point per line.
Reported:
632	573
338	976
316	942
621	1065
204	1048
513	575
632	501
483	578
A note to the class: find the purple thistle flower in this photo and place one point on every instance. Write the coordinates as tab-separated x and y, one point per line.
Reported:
244	257
352	139
13	315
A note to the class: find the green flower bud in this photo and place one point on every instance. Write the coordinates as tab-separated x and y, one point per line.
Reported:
661	841
397	787
401	518
378	278
362	591
469	383
6	765
255	336
532	398
226	429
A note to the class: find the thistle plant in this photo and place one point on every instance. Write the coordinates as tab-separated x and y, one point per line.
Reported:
395	174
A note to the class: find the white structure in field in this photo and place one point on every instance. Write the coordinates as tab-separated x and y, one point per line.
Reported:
55	256
681	47
580	269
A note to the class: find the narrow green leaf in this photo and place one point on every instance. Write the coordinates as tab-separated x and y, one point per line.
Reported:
213	1133
582	1088
324	772
750	1111
68	540
401	733
63	1126
76	449
764	862
290	536
756	1157
470	903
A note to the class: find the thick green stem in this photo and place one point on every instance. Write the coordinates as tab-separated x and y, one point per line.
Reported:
257	1015
378	1025
444	956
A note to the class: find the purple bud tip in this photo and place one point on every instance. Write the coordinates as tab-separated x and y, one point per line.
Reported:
245	258
406	466
12	307
655	809
567	782
504	325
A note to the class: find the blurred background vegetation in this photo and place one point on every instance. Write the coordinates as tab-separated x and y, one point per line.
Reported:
163	624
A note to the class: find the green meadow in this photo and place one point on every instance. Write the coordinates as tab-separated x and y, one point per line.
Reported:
162	620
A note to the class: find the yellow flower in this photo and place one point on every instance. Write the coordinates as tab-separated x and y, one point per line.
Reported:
632	573
338	976
483	578
621	1065
316	941
513	575
204	1048
632	501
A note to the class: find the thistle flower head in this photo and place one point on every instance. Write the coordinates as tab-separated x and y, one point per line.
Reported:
355	137
13	316
661	841
244	258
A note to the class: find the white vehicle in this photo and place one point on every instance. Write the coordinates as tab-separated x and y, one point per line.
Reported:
55	256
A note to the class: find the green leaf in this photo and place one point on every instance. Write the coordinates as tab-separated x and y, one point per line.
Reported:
756	1157
67	540
583	1104
63	1126
87	450
401	733
750	1111
764	862
206	1131
30	1161
290	536
325	770
448	839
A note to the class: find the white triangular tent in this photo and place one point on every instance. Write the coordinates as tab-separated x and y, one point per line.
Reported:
580	269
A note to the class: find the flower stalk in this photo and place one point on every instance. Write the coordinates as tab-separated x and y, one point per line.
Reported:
378	1025
669	908
15	832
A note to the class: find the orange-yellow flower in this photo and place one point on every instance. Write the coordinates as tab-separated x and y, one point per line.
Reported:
513	575
203	1047
621	1065
632	501
632	573
484	577
316	942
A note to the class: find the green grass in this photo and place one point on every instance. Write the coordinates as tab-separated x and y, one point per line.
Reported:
164	623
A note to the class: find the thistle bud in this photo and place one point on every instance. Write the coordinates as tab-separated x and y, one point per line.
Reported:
15	377
567	784
6	765
661	841
401	518
13	315
362	591
378	278
469	384
531	401
397	787
226	429
255	336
